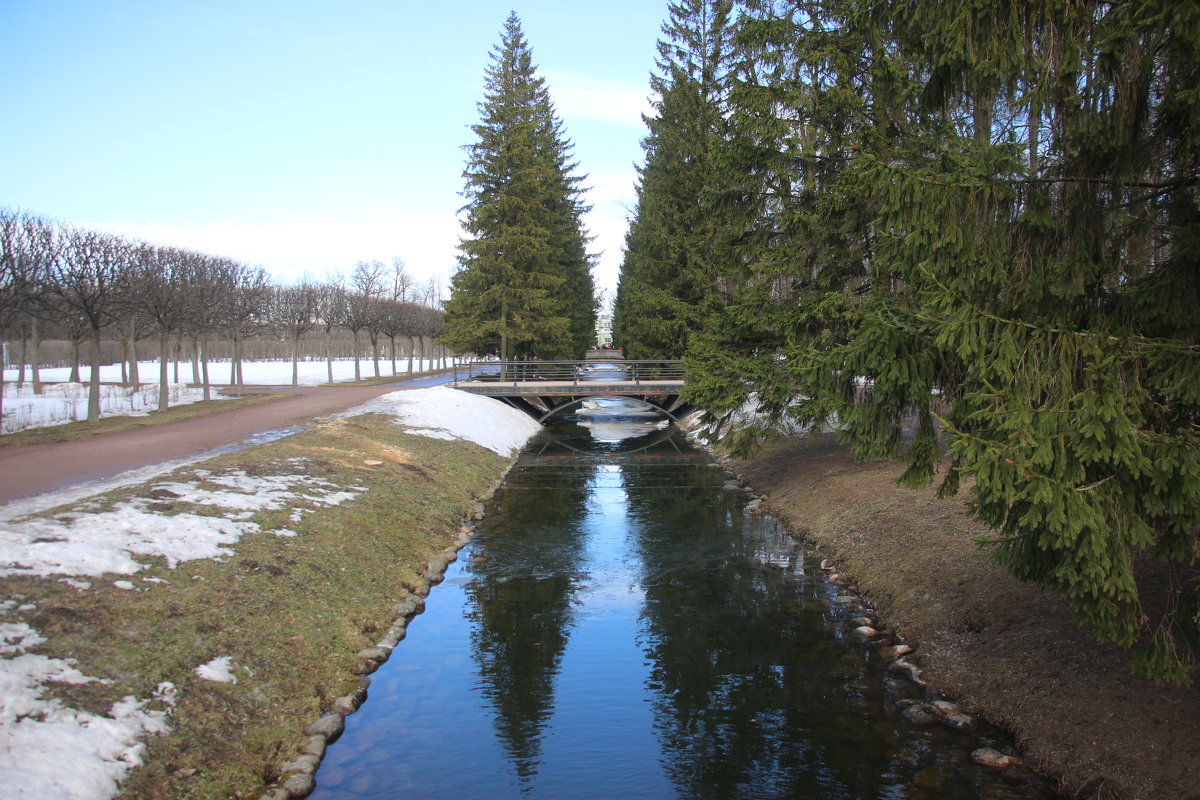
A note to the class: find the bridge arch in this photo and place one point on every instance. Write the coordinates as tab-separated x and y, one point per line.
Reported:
546	389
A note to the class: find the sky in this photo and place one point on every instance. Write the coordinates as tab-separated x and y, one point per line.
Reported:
303	136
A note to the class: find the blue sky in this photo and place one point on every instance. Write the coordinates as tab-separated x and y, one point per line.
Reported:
302	136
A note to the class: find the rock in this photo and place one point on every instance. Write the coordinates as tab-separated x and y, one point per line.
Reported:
278	793
845	599
406	608
827	565
314	746
865	630
892	653
433	578
478	512
329	727
731	486
862	621
345	705
987	757
958	722
364	668
378	654
902	667
372	462
944	707
487	496
393	636
305	764
919	714
300	785
755	507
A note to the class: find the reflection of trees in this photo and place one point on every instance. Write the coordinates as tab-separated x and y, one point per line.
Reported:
520	603
747	703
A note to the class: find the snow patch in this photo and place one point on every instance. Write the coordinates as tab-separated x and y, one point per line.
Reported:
41	735
444	413
76	543
219	670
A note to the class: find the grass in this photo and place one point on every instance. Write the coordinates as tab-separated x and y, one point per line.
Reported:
81	430
290	611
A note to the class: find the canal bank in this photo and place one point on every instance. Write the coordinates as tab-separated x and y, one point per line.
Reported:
175	637
1002	647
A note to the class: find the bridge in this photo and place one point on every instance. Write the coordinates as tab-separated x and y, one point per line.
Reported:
547	389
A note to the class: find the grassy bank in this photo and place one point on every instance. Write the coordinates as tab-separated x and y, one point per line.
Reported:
1007	649
288	611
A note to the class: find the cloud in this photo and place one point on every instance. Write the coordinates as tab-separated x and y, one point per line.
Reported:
585	97
289	249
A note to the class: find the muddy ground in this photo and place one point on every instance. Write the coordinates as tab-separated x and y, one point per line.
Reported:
1005	648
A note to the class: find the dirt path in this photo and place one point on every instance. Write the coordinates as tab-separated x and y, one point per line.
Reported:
28	470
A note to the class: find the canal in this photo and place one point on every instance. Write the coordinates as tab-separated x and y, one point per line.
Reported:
621	627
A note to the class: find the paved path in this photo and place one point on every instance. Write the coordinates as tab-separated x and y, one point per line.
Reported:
28	470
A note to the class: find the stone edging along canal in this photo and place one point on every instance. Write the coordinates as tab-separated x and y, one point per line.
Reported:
297	775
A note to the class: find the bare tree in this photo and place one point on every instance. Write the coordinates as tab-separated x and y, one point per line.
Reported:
402	282
296	309
245	304
27	249
206	289
332	310
366	283
89	280
160	276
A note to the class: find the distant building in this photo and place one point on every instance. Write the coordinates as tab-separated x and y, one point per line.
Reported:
604	330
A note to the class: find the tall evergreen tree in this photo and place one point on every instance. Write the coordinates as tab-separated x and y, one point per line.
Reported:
971	229
668	278
524	288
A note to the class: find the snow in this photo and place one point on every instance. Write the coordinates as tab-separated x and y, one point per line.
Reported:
38	735
219	670
91	543
444	413
61	401
43	735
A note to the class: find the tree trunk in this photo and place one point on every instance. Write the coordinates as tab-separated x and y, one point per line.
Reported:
35	372
164	341
329	353
134	377
412	350
203	350
196	379
94	379
123	346
296	359
375	351
20	364
357	373
74	376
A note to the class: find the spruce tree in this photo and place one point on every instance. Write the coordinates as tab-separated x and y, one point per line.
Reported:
523	289
970	230
668	278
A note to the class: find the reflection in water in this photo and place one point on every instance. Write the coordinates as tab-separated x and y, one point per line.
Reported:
521	614
622	628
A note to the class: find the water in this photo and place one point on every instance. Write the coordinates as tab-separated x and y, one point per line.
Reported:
621	628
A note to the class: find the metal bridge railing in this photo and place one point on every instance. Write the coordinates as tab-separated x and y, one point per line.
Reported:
573	371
